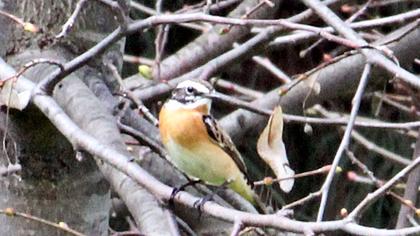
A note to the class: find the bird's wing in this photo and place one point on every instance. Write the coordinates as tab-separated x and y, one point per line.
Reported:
222	139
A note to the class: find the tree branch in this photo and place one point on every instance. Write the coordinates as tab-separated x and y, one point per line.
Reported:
122	162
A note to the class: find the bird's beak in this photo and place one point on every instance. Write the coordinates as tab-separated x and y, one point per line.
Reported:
211	95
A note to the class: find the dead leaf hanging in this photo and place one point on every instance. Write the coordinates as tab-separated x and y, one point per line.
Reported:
271	149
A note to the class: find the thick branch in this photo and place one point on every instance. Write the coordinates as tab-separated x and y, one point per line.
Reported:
411	191
90	114
210	44
121	162
336	81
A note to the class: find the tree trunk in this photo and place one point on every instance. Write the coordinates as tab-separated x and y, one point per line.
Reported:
52	185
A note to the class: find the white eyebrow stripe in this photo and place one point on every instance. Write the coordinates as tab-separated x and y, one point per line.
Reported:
198	86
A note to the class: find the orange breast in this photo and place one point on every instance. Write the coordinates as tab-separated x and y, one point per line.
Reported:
184	126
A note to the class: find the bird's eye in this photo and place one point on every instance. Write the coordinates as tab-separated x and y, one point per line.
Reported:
190	90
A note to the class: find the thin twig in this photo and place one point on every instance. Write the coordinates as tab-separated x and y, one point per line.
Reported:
383	3
237	226
378	182
349	20
160	40
138	60
262	38
235	88
360	12
143	139
269	180
183	225
371	55
60	226
397	105
219	5
345	140
140	106
122	163
65	29
390	20
303	200
273	69
313	120
361	166
368	144
26	25
142	109
371	197
381	151
47	84
33	63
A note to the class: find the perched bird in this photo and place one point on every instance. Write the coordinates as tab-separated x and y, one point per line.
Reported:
197	145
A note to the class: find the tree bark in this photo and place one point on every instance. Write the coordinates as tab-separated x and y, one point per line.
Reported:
411	192
212	43
54	185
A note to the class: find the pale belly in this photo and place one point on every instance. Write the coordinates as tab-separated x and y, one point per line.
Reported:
212	166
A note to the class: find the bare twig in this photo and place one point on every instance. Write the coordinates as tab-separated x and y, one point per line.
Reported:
160	40
389	2
374	57
273	69
269	180
219	5
237	226
362	166
371	197
126	93
411	191
313	120
26	25
65	29
256	7
60	226
121	162
345	140
48	83
381	151
302	36
303	200
235	88
349	20
151	12
156	92
143	139
142	109
32	64
397	105
368	144
360	12
138	60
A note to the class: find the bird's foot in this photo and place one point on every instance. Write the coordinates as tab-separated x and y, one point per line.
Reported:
176	190
199	204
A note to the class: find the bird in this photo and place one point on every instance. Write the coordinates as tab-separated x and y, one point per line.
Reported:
196	143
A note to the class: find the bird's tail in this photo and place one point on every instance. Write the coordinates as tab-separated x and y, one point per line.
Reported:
241	187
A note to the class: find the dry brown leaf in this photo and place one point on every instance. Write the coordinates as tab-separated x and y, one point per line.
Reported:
271	149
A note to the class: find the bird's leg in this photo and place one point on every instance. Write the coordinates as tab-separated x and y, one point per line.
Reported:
200	202
176	190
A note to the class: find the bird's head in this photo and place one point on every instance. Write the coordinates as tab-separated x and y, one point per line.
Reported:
190	94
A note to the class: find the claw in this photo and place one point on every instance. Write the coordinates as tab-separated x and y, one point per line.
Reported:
176	190
200	203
